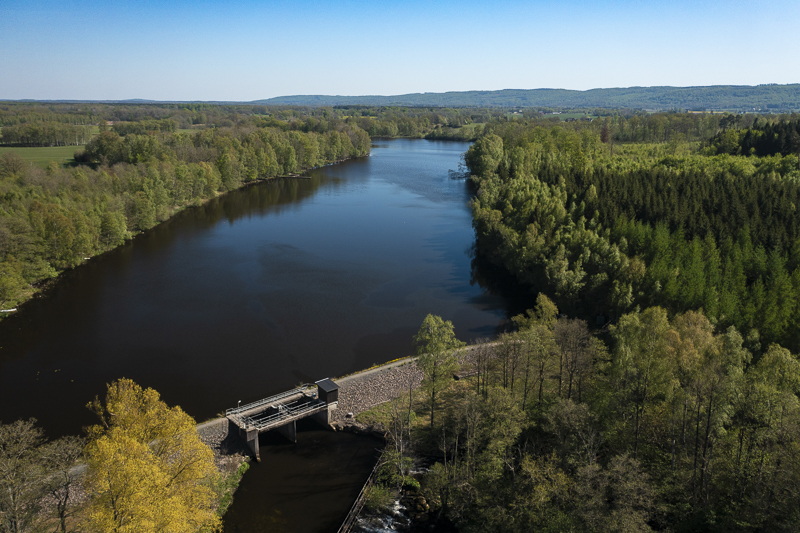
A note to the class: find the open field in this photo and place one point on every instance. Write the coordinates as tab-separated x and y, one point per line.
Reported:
41	156
565	116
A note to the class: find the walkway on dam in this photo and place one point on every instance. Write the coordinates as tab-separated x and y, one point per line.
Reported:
281	412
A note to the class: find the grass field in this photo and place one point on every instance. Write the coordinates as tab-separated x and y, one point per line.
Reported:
41	156
565	116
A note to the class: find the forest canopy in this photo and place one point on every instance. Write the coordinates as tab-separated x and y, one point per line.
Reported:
659	424
653	224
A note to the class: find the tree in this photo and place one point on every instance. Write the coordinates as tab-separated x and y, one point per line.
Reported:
574	427
436	346
34	472
484	358
20	476
539	355
617	498
641	366
509	354
575	349
60	484
148	469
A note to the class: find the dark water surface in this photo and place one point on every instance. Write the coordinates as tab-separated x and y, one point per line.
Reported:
279	283
304	487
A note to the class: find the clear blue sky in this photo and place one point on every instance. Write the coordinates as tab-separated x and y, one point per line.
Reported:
248	50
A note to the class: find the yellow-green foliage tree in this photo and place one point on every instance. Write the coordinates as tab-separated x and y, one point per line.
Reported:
437	346
148	469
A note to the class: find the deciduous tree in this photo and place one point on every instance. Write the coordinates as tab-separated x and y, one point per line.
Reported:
436	346
148	469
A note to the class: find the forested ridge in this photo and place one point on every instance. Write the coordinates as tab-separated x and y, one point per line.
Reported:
125	182
729	97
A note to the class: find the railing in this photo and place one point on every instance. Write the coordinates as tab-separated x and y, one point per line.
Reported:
355	510
285	413
265	401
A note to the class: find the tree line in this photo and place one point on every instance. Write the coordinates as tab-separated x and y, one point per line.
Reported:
46	134
764	138
51	219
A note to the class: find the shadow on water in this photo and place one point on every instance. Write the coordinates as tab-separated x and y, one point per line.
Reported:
278	283
499	285
95	324
303	487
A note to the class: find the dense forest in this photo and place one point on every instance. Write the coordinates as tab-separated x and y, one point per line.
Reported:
663	423
765	137
654	224
678	409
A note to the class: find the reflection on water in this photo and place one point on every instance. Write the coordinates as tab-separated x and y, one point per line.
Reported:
307	487
276	284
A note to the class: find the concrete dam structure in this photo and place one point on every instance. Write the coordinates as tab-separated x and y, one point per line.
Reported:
282	411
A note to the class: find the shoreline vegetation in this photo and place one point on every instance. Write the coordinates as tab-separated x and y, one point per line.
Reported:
135	166
143	163
60	488
657	424
125	182
676	235
39	286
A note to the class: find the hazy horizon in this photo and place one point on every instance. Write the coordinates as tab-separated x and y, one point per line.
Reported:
137	99
246	51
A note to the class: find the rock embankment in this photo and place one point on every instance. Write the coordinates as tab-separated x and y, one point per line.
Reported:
364	390
229	449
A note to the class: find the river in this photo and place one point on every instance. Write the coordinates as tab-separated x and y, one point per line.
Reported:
269	286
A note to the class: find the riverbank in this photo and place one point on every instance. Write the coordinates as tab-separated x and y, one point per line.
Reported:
15	300
361	391
358	393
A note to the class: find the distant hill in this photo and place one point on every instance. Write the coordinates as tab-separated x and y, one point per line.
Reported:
715	97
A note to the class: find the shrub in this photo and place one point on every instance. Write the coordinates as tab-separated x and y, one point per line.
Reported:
378	498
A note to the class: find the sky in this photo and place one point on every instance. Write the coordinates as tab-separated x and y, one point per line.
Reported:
250	50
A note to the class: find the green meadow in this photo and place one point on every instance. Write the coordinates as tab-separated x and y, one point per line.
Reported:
42	155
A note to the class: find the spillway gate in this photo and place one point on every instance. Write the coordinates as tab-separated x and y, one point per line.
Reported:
282	411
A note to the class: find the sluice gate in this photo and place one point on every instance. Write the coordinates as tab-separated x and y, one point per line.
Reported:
282	411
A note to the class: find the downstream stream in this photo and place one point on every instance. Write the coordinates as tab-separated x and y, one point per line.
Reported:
276	284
